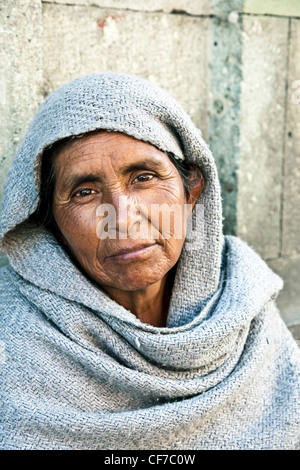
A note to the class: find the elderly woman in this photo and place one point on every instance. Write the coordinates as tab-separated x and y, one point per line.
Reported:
127	324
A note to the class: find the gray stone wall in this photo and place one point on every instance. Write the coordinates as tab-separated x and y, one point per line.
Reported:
234	66
268	208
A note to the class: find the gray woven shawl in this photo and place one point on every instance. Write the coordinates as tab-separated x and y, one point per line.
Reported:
81	372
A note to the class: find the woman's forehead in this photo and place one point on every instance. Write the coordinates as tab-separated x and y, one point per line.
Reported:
100	146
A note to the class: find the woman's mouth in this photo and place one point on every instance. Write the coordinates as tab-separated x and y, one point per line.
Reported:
132	253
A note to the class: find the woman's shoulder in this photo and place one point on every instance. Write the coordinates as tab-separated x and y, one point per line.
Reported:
7	275
11	298
6	284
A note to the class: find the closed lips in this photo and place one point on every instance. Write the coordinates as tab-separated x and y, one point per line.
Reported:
131	249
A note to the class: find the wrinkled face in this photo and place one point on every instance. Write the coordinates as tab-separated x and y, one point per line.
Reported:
107	204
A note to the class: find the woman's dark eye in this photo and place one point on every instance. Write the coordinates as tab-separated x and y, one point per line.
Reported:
84	192
143	178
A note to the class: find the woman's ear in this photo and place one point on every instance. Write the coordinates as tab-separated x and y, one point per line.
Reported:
196	184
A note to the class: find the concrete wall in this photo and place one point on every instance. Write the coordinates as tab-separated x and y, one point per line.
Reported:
233	65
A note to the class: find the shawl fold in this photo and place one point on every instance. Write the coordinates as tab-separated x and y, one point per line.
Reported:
79	371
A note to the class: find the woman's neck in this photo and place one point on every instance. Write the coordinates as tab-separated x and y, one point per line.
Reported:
150	305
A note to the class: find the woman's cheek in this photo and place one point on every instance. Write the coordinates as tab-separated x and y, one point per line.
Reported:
78	226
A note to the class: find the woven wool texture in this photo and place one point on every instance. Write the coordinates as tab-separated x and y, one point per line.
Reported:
79	371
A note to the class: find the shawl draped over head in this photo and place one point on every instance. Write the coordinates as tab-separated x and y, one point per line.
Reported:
79	371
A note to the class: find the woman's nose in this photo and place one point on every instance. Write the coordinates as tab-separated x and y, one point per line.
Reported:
123	213
127	213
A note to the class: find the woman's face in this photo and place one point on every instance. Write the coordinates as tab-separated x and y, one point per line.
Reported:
108	193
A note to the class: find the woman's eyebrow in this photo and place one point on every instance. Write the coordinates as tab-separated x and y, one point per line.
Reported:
145	164
75	180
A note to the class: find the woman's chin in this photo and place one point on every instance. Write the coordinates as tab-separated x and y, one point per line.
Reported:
133	279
